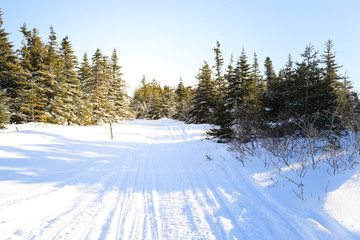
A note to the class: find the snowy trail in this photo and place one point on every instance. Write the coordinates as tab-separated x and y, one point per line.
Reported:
156	180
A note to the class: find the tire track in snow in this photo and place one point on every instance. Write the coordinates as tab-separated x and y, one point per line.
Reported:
128	221
162	188
205	197
94	208
213	197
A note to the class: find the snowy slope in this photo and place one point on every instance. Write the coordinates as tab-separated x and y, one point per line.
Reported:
155	180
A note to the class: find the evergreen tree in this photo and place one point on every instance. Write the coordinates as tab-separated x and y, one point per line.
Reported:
37	91
10	73
151	101
169	101
246	96
310	93
183	96
223	119
286	89
51	58
204	101
219	62
68	105
96	89
4	112
84	71
139	100
272	99
270	75
117	94
155	101
338	87
237	82
256	74
8	59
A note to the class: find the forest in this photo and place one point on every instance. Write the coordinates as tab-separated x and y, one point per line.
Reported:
44	82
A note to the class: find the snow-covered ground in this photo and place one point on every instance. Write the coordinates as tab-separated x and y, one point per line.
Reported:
157	180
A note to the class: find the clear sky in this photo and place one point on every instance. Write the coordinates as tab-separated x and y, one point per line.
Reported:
166	40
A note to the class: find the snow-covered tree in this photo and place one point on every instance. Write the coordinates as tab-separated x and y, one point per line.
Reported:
37	91
68	104
204	100
117	95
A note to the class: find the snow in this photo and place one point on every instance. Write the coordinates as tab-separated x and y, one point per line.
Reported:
157	180
343	204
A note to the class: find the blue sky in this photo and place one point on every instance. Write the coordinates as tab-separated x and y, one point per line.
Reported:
166	40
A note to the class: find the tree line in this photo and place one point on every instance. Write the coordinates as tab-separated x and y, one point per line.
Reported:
43	82
241	102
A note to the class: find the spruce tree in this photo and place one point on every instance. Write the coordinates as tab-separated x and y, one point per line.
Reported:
139	101
4	112
151	101
224	119
204	101
155	101
272	101
256	74
288	86
51	58
168	101
84	71
310	94
8	59
10	73
68	105
270	75
246	99
96	88
182	101
117	92
219	62
338	86
38	90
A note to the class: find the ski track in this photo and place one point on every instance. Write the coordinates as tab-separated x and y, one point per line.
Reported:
160	188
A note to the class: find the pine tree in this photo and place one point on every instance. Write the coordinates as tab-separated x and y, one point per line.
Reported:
155	101
51	58
10	73
117	93
224	119
256	74
270	75
287	87
310	94
139	100
182	101
204	101
151	101
243	89
68	106
38	90
246	99
8	59
338	86
84	71
168	101
272	98
96	89
219	62
4	112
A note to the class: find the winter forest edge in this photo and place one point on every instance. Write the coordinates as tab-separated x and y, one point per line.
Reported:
306	109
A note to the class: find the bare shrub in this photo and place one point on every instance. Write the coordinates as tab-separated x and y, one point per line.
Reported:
311	136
